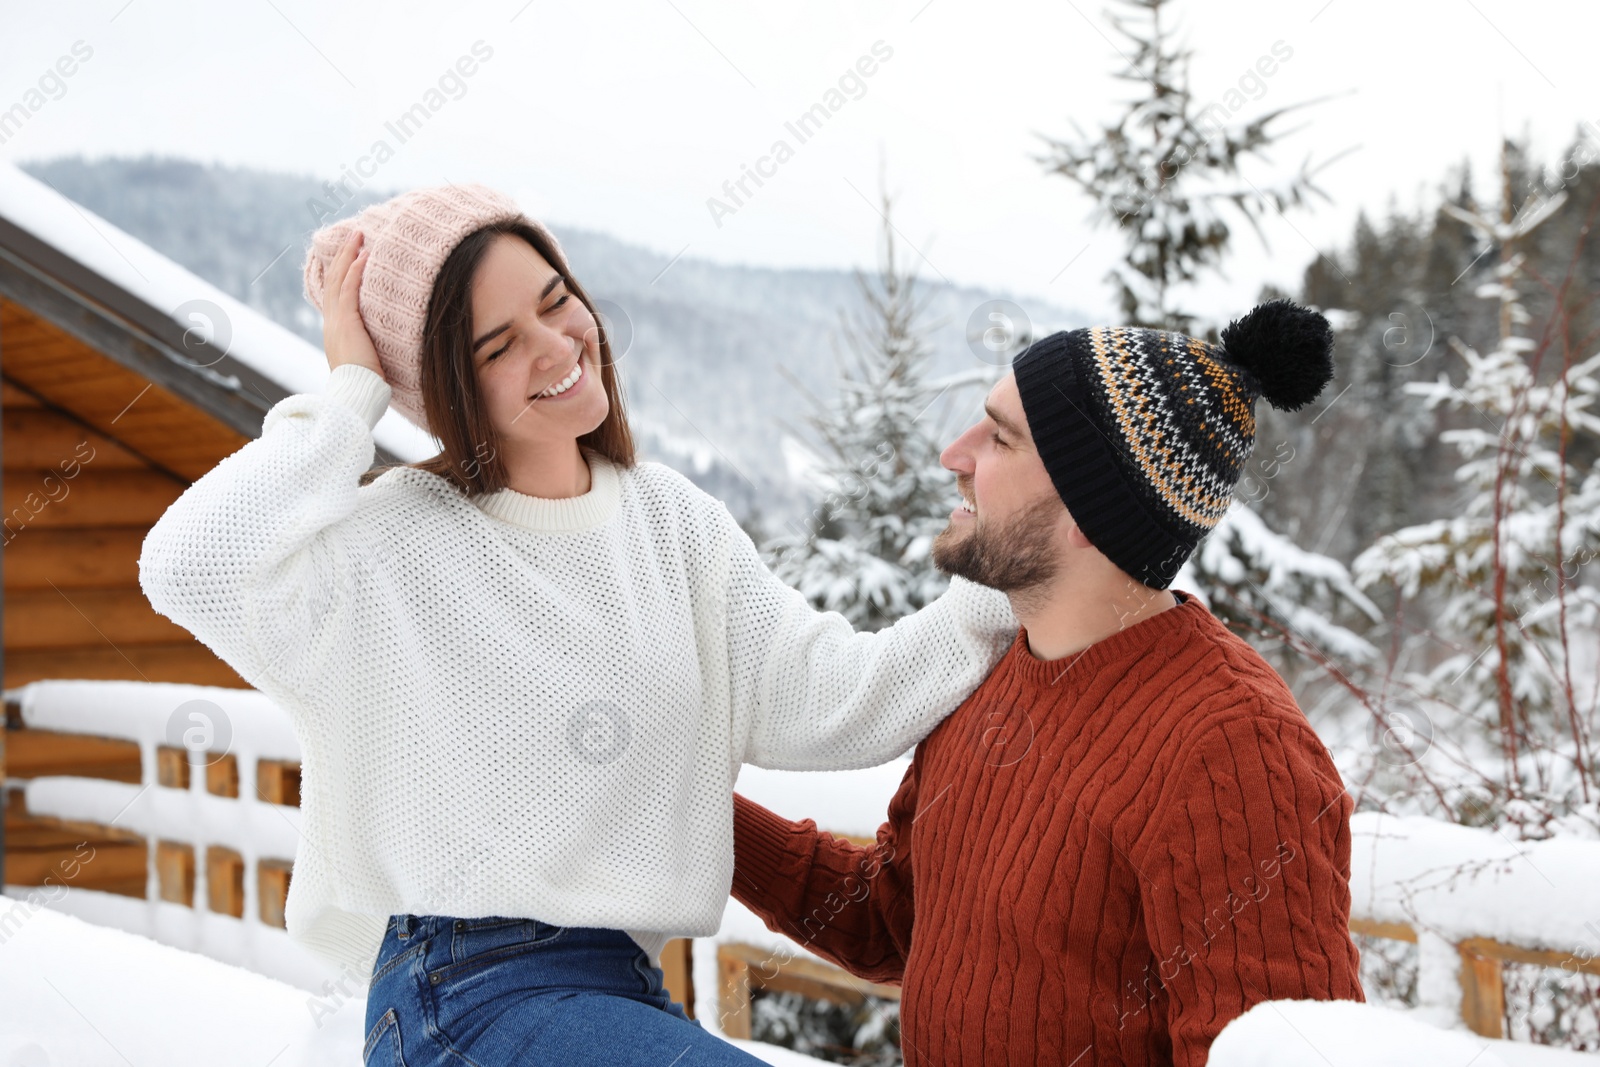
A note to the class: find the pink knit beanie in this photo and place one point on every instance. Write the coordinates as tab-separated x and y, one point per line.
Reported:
407	239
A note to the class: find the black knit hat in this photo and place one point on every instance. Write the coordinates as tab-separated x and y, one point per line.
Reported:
1145	433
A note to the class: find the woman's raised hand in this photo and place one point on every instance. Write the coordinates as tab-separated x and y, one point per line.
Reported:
344	336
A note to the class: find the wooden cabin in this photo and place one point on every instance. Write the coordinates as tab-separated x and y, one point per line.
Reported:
123	378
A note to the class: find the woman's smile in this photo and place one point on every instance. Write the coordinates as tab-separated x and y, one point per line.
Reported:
567	386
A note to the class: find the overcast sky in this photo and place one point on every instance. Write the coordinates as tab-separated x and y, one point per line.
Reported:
629	117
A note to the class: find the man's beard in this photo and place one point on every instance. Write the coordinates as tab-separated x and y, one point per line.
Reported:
1013	558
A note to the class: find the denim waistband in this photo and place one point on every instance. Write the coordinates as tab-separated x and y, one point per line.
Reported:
411	926
437	948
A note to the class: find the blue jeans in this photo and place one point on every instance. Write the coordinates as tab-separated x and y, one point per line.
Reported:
495	991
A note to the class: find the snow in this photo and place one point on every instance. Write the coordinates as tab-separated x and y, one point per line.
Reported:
1446	881
1450	883
78	993
143	712
242	722
255	340
88	995
81	994
1526	523
842	802
269	829
1298	586
1309	1033
1461	882
1341	319
243	961
848	802
255	947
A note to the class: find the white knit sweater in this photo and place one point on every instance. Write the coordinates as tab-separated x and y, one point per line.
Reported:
509	705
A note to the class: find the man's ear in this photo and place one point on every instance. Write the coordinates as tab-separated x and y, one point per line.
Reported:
1075	535
1077	538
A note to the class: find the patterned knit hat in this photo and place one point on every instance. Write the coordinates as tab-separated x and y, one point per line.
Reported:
408	239
1144	432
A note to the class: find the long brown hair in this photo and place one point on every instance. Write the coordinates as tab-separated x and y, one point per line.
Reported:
450	397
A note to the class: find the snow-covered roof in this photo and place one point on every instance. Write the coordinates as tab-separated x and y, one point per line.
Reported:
151	278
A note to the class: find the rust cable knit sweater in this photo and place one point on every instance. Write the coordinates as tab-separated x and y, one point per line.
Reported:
1095	860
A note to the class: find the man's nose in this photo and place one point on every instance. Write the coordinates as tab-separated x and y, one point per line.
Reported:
955	456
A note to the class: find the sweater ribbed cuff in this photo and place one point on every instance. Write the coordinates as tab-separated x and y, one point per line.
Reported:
361	390
764	851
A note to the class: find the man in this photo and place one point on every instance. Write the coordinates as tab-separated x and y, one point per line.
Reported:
1129	834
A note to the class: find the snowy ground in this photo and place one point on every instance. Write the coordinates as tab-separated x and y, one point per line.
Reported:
81	983
1345	1034
78	994
73	994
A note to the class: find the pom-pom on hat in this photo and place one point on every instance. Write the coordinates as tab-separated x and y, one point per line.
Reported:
1145	433
408	238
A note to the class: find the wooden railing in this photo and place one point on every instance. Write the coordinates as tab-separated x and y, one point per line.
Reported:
40	849
39	846
36	848
1483	960
745	969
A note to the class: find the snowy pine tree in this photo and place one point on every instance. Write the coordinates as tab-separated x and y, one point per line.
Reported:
1504	569
866	550
1262	583
1166	173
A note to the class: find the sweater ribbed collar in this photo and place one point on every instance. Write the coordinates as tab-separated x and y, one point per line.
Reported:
1176	624
565	515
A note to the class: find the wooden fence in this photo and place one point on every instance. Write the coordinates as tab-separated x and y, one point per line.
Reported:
40	847
128	863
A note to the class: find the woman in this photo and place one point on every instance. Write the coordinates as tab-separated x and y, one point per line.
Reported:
524	673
